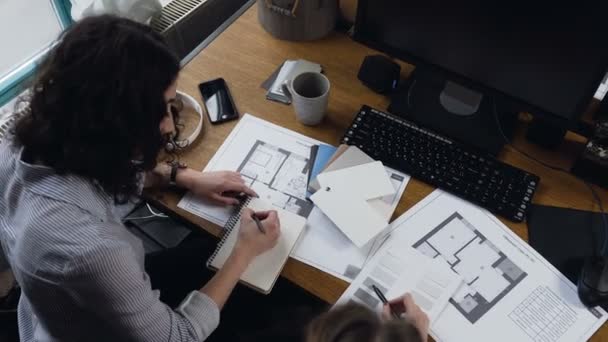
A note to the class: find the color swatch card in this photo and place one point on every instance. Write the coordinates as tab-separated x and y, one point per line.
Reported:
351	214
365	181
343	198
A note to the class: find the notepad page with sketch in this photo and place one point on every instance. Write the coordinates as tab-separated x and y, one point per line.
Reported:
264	270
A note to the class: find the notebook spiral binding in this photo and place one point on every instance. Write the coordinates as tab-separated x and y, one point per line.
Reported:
230	224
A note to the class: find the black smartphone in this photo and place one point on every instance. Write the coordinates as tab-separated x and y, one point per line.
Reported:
217	100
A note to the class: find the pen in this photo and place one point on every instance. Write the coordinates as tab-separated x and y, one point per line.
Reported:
258	223
384	301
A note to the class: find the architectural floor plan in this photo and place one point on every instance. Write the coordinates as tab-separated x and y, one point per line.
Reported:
278	176
488	273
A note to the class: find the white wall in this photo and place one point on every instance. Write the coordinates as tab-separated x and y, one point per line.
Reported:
26	28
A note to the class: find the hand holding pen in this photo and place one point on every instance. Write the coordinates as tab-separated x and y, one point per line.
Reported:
405	308
388	311
259	232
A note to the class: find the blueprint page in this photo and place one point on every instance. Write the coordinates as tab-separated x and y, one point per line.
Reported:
273	161
511	292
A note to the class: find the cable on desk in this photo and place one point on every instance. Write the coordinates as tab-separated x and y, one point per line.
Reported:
153	213
596	197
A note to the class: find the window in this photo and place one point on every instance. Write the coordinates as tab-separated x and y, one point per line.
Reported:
28	29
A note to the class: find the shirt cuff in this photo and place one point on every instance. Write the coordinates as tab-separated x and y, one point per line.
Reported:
202	312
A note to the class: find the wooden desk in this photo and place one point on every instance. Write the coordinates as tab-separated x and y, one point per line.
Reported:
245	55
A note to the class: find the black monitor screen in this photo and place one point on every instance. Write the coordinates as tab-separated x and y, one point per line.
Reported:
549	58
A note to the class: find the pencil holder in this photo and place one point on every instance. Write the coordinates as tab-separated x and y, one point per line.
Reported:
298	20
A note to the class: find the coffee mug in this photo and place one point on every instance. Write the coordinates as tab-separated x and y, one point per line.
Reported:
309	95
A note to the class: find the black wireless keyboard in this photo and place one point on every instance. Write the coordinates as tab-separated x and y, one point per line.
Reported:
472	175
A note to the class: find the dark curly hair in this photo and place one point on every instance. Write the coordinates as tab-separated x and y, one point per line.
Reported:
97	103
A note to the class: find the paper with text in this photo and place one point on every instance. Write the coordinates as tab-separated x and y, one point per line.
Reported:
397	270
509	287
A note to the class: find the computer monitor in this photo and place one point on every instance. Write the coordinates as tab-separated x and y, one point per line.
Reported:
546	59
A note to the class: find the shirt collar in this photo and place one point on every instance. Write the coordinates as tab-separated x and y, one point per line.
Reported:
69	188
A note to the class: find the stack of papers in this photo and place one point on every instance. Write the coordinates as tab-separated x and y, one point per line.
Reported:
324	245
507	286
276	163
350	191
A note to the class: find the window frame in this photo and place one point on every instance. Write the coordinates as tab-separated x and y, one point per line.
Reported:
16	81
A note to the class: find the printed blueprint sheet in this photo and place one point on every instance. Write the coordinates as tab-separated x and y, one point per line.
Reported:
273	161
510	292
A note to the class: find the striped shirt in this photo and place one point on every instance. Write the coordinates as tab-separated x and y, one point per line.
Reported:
81	272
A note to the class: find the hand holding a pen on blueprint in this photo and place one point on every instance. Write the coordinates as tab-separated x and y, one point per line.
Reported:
406	308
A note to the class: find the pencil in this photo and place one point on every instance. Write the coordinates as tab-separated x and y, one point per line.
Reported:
258	223
384	301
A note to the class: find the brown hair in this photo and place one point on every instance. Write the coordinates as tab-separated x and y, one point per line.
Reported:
354	322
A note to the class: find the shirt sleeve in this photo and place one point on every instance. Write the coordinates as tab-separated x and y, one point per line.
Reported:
111	283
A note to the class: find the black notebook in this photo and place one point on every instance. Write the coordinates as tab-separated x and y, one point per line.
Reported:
565	237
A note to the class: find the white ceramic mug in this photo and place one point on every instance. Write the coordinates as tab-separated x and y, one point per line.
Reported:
309	95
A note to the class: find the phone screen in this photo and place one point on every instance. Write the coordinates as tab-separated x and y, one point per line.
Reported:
218	101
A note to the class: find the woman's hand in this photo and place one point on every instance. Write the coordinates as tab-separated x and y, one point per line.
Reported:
216	184
406	307
252	242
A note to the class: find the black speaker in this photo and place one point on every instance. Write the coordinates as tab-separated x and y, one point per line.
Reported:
379	73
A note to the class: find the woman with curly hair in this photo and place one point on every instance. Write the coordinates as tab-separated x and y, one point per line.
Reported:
89	138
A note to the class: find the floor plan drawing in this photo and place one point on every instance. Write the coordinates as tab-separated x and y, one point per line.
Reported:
488	273
279	176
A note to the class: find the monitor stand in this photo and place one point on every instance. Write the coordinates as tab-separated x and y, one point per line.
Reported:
453	110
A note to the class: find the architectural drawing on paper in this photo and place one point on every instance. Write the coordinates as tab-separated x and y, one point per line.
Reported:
279	176
488	273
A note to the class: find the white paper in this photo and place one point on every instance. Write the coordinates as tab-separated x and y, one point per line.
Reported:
352	214
511	288
264	270
277	85
325	247
274	162
397	270
386	205
365	181
290	70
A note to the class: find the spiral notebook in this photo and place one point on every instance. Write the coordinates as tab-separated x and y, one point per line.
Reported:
265	269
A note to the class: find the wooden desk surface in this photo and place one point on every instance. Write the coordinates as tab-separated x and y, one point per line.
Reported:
245	55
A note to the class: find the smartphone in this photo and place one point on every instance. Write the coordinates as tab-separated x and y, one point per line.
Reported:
217	100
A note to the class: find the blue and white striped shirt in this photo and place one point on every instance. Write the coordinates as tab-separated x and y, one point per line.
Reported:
81	272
